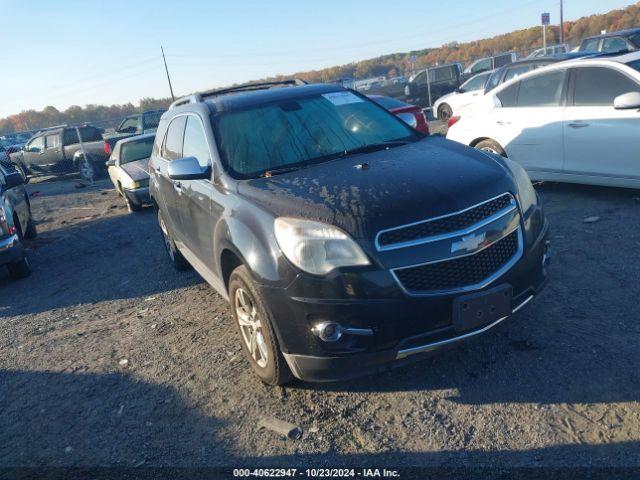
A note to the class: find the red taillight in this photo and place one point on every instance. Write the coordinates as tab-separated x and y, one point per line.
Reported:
423	126
452	121
107	148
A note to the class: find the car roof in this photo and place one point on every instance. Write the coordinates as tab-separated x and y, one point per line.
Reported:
619	33
243	99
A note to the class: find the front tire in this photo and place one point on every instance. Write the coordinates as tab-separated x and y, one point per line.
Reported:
491	146
258	339
444	112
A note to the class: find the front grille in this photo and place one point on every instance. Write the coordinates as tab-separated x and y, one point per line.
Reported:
459	272
448	224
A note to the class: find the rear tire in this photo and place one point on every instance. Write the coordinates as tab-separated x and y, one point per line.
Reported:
19	269
491	146
255	328
176	258
444	112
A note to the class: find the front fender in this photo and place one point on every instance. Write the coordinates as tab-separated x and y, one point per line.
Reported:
249	235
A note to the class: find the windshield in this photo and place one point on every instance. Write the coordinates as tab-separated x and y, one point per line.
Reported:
295	132
136	150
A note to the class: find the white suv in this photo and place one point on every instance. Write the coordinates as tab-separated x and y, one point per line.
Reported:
575	121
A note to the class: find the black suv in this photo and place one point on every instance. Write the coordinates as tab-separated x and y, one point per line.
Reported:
16	222
343	239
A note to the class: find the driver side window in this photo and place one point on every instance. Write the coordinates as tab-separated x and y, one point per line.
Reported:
36	145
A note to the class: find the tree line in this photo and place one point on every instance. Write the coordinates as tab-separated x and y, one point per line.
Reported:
522	41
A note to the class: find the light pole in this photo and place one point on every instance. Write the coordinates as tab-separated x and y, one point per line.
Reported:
561	25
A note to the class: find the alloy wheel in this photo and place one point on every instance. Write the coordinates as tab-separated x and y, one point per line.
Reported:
251	327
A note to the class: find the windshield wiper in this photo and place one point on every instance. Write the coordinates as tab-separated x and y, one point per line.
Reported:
372	147
276	171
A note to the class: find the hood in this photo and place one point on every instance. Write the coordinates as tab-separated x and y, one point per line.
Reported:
401	185
138	170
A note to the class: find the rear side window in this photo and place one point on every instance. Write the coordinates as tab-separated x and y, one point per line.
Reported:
600	86
614	44
53	141
195	142
172	147
130	125
502	60
70	137
509	96
635	39
543	90
486	64
90	134
444	74
590	45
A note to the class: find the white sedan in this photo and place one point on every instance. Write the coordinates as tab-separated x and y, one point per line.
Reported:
449	104
128	169
576	121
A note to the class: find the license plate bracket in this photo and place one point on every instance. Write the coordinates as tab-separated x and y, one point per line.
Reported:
482	308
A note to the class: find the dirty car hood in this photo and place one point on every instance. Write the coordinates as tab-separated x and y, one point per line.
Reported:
137	170
401	185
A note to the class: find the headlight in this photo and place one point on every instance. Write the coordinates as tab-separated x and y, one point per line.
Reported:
526	192
316	247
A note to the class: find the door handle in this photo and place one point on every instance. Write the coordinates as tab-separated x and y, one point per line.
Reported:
177	186
578	124
503	122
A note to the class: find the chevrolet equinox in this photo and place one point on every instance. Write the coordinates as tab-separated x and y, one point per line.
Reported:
343	239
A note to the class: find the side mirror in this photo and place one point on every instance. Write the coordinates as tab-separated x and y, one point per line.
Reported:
14	179
627	101
188	168
110	163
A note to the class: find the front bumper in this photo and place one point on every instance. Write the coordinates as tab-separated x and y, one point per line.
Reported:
403	326
138	196
11	250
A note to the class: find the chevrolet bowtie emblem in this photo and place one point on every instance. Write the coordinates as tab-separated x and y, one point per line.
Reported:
468	243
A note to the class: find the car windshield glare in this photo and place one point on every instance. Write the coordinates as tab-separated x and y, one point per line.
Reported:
295	132
136	150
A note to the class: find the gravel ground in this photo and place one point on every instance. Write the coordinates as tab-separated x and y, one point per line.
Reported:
111	358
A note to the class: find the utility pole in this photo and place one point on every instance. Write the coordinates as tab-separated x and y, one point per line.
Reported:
168	77
561	24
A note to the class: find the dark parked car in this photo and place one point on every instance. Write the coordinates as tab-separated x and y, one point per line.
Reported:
409	114
490	63
138	124
128	168
57	150
343	239
520	67
16	222
621	41
425	87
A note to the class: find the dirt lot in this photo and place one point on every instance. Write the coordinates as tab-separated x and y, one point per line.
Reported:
109	357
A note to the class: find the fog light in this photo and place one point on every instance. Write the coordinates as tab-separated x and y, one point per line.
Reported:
328	331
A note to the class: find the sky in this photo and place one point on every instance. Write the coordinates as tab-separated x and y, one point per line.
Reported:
78	52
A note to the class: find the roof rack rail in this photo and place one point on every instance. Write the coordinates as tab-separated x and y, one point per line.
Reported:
64	125
194	98
247	87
